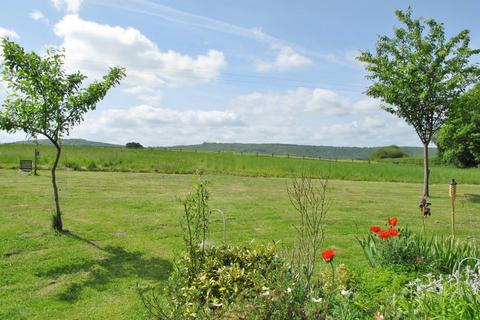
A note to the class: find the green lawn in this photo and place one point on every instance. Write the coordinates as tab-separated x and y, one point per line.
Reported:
162	161
124	229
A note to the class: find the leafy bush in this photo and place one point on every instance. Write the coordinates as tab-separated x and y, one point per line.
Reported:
227	275
404	250
389	152
459	139
72	165
92	166
134	145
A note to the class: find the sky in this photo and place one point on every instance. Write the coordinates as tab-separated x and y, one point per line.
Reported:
271	71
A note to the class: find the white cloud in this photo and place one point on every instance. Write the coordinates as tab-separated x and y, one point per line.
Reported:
302	116
71	6
159	126
287	58
318	100
4	32
92	47
39	16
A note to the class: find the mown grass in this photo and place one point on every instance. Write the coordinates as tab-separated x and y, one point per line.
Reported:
187	162
124	230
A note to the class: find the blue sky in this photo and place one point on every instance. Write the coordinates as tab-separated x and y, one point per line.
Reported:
236	71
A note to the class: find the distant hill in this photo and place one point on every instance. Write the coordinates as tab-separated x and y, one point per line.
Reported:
71	142
326	152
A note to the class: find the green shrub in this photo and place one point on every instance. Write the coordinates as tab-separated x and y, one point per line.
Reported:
389	152
72	165
134	145
233	282
92	166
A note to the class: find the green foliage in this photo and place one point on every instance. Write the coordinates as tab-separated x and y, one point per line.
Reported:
195	223
389	152
42	99
92	166
444	255
72	165
375	289
406	251
459	138
134	145
419	74
413	252
456	296
344	279
255	278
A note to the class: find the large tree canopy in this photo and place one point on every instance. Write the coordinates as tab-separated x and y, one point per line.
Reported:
419	74
459	138
42	99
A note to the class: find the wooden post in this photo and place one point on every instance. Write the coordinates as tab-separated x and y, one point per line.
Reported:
37	155
452	192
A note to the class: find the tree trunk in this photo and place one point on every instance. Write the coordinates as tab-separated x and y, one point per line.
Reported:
426	171
57	218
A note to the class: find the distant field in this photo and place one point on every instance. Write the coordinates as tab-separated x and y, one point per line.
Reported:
163	161
326	152
125	229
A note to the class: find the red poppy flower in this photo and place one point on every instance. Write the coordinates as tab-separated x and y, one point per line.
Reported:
384	234
375	229
328	255
393	232
392	221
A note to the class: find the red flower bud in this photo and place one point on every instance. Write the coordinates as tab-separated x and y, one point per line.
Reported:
392	221
375	229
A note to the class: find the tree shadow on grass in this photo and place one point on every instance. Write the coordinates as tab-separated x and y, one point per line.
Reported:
475	198
118	263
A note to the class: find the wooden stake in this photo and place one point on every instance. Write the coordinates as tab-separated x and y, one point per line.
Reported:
452	192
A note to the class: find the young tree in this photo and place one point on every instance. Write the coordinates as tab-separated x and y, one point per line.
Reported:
419	74
44	100
459	138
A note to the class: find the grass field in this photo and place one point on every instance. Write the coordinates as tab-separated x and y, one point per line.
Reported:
123	229
150	160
